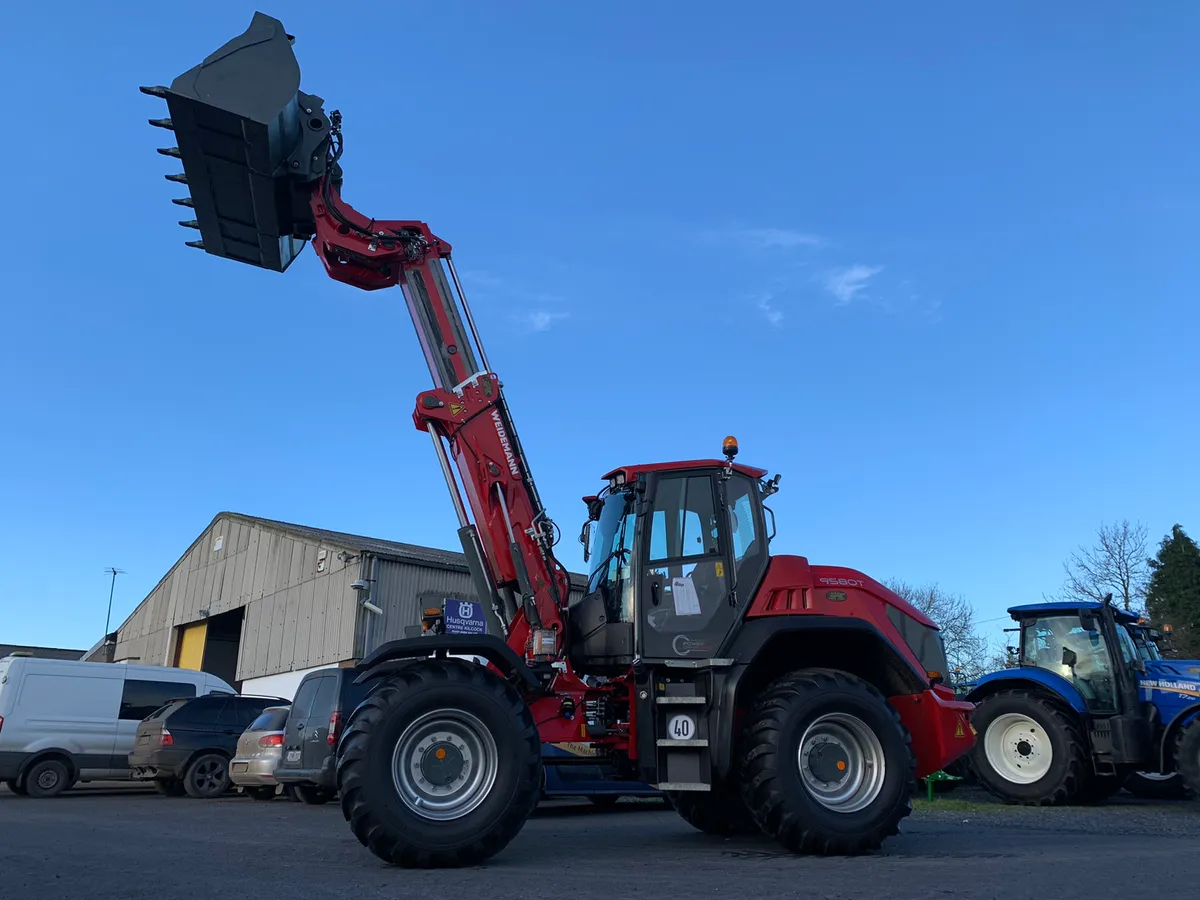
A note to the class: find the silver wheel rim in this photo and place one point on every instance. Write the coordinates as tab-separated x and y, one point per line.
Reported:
1018	748
449	786
842	764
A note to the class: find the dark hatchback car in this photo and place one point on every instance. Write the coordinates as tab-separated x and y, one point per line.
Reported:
324	700
185	746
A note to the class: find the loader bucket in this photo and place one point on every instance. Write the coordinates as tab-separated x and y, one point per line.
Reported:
252	147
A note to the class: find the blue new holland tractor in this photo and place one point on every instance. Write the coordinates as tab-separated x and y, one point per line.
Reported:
1090	706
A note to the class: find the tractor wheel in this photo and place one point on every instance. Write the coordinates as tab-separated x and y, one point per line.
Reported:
720	811
826	766
1155	786
1187	755
1029	751
440	766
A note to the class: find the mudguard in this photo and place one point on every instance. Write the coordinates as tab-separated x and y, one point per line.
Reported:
1030	676
388	657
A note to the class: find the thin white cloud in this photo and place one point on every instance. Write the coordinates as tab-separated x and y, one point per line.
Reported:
845	284
778	238
542	319
773	316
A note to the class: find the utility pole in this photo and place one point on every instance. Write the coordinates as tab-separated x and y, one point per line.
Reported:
114	573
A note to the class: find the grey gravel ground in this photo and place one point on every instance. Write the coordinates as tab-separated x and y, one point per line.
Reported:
130	844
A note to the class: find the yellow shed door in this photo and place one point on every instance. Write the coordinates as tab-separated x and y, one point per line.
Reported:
191	646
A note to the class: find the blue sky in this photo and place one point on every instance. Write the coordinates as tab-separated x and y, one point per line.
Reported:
935	265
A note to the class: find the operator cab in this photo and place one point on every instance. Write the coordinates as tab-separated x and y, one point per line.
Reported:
1096	653
675	552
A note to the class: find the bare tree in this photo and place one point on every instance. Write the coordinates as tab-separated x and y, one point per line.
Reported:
968	653
1115	564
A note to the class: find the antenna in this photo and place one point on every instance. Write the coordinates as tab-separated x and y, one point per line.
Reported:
114	572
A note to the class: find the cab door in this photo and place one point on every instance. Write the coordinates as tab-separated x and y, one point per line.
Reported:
690	592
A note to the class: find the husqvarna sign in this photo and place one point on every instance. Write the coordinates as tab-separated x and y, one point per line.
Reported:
464	617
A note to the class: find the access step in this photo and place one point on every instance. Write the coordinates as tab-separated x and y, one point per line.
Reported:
680	701
672	742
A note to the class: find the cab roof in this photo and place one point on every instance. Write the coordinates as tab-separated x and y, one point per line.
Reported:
632	472
1057	607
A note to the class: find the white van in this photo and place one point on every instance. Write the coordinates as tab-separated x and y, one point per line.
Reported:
63	721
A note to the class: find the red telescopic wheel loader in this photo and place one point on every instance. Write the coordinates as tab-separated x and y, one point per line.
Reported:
761	692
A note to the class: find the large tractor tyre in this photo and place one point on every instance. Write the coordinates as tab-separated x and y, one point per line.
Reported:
1155	786
825	764
440	766
207	776
1187	756
47	778
720	811
1029	751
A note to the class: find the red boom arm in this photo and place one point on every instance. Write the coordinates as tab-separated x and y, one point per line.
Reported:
465	409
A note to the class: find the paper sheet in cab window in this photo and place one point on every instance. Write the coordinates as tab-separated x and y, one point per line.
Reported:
687	603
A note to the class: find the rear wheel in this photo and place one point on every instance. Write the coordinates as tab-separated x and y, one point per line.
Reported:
169	787
440	765
720	811
47	778
1187	755
207	776
16	786
1029	750
825	764
1153	786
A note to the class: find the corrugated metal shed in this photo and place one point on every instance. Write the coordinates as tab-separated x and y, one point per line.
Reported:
293	584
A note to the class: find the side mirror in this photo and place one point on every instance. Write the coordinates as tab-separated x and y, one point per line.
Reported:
585	538
1069	657
1088	620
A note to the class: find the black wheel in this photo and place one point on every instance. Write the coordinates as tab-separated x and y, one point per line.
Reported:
440	765
826	766
289	791
313	795
604	801
47	778
720	811
261	793
1187	756
169	787
207	776
16	786
1030	751
1152	786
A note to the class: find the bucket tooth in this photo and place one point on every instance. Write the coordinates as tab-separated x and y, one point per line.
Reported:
169	151
156	91
184	201
199	245
162	123
178	179
190	223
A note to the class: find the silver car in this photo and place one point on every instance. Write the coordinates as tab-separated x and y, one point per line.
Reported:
259	750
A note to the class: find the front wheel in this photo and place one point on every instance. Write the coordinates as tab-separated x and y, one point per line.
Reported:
826	766
440	766
47	778
1030	751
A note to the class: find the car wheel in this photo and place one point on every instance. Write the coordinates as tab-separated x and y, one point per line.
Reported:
47	778
207	776
169	787
313	795
826	766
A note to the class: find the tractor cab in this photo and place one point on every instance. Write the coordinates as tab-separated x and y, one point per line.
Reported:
1088	644
675	552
